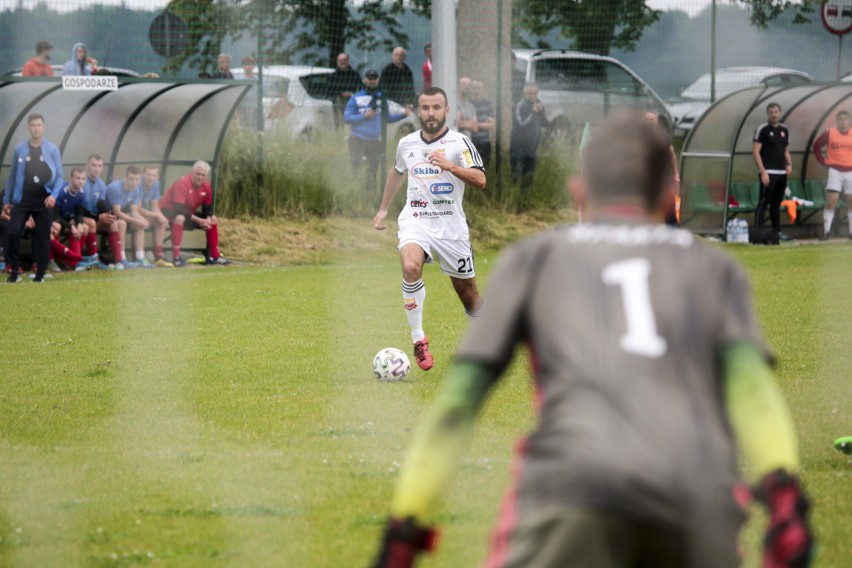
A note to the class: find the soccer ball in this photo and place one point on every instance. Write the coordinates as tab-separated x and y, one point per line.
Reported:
391	364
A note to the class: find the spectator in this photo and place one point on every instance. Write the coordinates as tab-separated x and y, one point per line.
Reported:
149	207
519	78
837	142
341	85
427	66
123	196
248	106
188	203
650	377
69	218
38	66
98	214
485	122
363	112
771	153
223	67
397	79
673	179
528	118
32	185
77	65
466	113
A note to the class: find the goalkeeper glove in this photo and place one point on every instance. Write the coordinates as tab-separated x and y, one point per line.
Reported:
401	543
788	542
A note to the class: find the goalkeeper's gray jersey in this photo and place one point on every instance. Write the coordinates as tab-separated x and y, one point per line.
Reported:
624	324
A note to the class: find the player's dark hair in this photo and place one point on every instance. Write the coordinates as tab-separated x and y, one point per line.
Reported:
94	157
133	171
33	117
432	91
843	113
76	170
772	104
626	160
42	46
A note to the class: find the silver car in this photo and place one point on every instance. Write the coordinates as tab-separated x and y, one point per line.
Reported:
576	87
694	100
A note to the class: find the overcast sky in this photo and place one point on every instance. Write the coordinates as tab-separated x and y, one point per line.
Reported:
692	7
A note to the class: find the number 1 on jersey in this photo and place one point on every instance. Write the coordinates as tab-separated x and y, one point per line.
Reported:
641	337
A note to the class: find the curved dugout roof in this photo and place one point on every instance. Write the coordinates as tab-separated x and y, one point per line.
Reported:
717	168
167	123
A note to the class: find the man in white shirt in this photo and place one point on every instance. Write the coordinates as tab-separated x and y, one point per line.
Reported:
439	163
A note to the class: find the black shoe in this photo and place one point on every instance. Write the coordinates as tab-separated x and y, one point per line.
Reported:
14	278
178	262
39	278
823	236
220	261
783	237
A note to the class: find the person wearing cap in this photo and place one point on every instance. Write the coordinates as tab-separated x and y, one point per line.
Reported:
38	66
363	112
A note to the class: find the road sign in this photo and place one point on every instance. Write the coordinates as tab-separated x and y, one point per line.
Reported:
837	16
168	35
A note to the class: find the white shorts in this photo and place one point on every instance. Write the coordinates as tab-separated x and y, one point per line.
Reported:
839	181
454	256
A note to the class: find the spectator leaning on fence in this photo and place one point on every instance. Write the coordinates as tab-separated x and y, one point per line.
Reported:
837	142
485	122
77	65
397	79
223	67
38	66
188	203
342	84
32	184
528	119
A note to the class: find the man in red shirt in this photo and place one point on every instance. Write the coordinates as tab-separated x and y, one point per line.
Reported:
837	142
180	205
38	66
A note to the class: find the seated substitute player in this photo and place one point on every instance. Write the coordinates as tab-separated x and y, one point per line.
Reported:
149	189
69	218
123	196
439	162
98	214
181	203
651	373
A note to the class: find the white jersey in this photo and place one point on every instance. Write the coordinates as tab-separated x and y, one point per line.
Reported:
435	196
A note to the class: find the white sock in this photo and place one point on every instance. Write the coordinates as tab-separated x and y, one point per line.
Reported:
413	296
827	218
140	255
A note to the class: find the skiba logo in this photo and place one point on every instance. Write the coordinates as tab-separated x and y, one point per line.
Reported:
441	188
418	203
425	170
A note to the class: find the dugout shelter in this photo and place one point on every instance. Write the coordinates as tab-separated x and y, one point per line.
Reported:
164	122
719	179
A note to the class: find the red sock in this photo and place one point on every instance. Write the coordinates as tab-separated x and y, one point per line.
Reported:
63	254
92	243
158	252
177	237
213	241
76	246
115	246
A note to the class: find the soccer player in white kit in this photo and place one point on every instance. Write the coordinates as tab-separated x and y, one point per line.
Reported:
439	163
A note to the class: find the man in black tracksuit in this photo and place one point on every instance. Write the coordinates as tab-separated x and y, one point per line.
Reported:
771	153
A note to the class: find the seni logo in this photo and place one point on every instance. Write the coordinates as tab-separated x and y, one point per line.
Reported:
441	188
425	170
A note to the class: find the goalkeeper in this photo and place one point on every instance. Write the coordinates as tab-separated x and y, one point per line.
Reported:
651	376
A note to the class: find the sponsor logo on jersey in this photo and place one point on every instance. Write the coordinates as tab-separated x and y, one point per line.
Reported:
443	201
468	159
409	303
447	140
441	188
418	203
411	155
425	170
431	214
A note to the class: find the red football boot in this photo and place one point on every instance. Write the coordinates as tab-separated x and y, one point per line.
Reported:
422	355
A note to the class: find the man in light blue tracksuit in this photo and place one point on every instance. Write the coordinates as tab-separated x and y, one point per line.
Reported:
33	183
364	113
77	65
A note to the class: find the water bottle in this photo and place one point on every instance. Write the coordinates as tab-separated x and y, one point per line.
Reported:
732	231
743	231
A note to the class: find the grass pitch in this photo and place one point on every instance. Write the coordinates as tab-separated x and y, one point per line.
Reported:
229	417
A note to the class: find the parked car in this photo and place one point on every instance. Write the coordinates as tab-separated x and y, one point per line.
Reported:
578	87
694	100
297	97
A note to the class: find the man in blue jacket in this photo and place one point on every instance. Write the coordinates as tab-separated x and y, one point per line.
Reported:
33	183
78	64
364	113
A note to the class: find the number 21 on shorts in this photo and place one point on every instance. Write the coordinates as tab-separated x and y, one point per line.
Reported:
631	276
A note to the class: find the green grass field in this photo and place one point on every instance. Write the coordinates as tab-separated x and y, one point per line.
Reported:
229	417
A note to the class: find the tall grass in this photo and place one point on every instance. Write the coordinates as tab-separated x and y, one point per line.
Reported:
276	174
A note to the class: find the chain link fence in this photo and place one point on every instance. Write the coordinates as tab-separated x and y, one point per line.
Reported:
288	151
